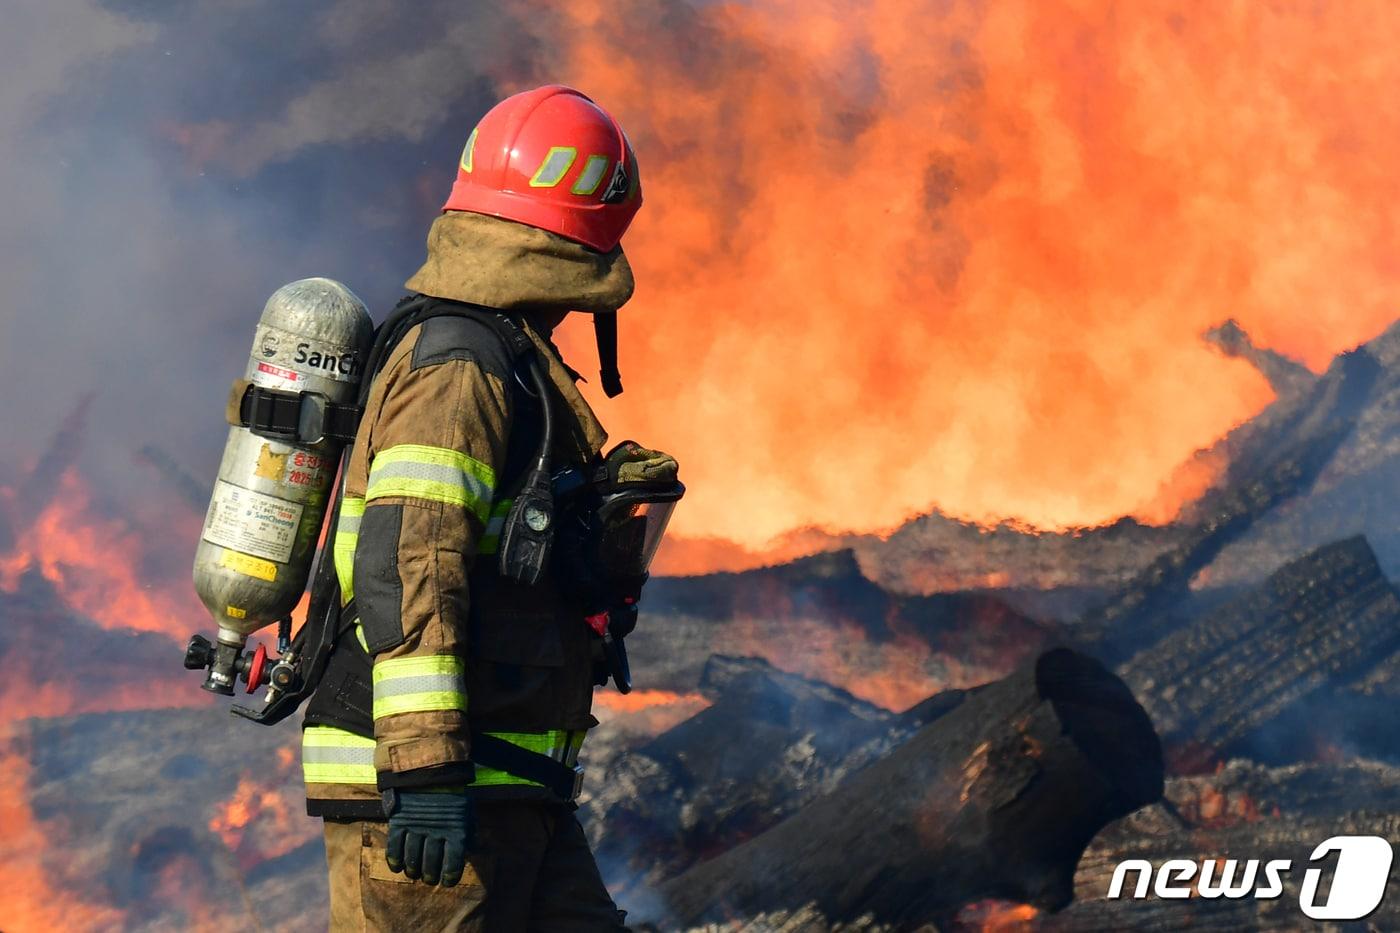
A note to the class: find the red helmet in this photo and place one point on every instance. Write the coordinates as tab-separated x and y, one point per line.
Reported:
553	159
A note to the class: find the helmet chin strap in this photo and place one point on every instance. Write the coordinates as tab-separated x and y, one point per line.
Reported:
605	329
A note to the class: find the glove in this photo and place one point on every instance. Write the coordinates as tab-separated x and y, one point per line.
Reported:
430	833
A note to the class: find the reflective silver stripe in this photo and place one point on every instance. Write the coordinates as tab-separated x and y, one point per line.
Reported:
325	755
552	170
433	473
592	175
490	541
334	756
349	524
419	683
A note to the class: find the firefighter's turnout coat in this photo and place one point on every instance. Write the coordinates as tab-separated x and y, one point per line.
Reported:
444	646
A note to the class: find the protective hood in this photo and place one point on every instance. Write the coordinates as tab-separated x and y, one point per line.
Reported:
502	264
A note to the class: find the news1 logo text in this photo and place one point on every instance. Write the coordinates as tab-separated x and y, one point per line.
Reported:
1358	881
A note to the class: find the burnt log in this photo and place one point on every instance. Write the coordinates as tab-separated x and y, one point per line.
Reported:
995	799
769	743
1274	459
1258	674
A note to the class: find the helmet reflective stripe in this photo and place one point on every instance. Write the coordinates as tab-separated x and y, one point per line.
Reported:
555	166
592	175
467	152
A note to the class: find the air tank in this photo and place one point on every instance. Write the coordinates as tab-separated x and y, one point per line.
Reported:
269	501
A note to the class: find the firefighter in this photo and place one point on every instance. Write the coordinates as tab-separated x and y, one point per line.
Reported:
441	744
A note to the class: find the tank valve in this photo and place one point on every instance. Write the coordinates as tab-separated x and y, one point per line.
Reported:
227	664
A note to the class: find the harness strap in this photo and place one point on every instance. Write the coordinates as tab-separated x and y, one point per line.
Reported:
564	779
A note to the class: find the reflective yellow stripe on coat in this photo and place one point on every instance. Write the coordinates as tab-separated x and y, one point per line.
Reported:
347	538
561	745
331	755
433	473
334	756
419	685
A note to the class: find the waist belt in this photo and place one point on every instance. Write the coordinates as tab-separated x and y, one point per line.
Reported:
555	765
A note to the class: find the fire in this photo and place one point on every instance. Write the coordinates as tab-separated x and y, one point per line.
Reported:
264	818
94	563
639	700
648	712
894	674
920	254
33	901
681	556
994	916
1215	806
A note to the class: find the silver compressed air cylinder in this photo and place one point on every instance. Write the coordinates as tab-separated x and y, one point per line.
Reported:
269	501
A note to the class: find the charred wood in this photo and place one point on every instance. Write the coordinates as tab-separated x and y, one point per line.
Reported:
995	799
1283	459
1245	811
1325	619
770	743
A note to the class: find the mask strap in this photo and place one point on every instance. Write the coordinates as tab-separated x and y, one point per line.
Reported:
605	330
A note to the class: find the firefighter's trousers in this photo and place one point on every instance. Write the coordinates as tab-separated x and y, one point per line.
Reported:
532	871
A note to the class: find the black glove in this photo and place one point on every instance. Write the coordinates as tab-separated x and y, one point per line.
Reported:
430	834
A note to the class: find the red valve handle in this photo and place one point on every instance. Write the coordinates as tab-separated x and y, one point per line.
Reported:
598	622
255	669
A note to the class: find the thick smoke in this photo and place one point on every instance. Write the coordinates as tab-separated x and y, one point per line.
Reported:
895	256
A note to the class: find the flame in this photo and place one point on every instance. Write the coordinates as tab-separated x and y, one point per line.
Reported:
894	673
1213	806
915	253
32	899
265	817
682	556
95	565
648	712
993	916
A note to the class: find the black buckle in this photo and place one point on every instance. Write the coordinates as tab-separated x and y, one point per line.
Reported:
311	419
306	418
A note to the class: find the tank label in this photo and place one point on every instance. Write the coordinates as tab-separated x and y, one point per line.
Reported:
307	470
271	464
252	522
279	372
293	358
250	566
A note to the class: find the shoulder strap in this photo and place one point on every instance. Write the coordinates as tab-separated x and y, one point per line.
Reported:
309	417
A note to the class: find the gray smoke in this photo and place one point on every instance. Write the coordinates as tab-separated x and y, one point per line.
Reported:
165	167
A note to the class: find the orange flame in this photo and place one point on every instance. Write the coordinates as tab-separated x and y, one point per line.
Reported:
31	901
647	712
264	818
994	916
924	254
94	565
1215	806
